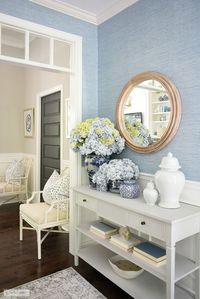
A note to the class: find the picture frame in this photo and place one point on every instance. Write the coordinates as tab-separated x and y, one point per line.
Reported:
29	122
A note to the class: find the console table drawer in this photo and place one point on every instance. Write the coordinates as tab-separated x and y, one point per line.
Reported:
113	213
86	202
147	225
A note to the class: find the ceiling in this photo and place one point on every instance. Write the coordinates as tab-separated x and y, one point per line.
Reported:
92	11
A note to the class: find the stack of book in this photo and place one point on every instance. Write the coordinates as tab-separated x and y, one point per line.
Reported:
151	253
126	245
103	230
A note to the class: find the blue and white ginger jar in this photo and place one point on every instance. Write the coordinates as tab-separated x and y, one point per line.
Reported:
129	189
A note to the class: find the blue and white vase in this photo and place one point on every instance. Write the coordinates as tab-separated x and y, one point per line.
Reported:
92	164
113	186
129	189
102	187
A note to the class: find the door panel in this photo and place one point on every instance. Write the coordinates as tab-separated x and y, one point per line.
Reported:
51	151
52	108
50	136
52	130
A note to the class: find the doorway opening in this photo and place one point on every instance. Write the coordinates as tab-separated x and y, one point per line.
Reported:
29	36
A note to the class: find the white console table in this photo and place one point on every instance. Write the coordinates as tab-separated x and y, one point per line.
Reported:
166	225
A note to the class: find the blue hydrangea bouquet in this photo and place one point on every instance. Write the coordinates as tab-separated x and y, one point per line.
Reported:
96	139
96	136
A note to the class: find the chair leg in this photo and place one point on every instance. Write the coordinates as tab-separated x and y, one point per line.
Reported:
39	244
20	227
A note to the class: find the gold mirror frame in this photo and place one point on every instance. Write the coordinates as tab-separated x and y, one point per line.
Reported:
175	117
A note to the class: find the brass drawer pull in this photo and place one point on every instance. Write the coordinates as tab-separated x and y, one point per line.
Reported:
143	223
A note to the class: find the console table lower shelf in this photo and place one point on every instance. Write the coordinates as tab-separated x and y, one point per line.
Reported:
97	256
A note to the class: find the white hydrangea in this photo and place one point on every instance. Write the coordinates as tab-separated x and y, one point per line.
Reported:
116	169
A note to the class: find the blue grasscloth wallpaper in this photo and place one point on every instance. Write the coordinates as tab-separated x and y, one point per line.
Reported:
162	36
47	17
154	35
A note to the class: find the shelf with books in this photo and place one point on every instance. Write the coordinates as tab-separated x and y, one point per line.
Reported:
144	286
154	223
184	266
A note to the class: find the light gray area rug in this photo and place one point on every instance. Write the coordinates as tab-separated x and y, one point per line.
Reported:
65	284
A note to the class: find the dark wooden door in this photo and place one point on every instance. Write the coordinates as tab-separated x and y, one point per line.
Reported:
50	136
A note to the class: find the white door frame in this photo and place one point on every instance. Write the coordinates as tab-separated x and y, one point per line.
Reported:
75	81
38	129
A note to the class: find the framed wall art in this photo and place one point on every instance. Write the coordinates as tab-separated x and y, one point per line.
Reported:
29	122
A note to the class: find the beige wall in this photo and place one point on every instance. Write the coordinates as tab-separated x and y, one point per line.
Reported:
11	108
19	87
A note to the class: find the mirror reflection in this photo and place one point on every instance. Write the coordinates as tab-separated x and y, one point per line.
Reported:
147	112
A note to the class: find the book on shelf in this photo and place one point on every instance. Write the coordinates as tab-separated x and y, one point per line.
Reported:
121	247
103	229
99	234
148	260
123	243
151	251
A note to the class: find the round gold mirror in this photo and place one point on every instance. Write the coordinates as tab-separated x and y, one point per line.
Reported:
148	112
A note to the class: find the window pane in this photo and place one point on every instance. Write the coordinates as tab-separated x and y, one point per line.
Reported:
39	48
61	54
12	42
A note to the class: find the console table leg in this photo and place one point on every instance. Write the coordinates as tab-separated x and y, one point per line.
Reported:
197	259
170	287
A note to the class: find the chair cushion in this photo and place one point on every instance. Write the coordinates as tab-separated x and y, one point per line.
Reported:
15	171
56	188
4	187
36	212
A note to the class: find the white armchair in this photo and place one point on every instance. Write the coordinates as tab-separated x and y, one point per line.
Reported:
17	186
43	217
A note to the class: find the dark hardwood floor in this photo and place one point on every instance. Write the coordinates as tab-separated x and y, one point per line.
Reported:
19	263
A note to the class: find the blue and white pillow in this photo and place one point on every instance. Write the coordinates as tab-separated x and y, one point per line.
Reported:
14	172
56	188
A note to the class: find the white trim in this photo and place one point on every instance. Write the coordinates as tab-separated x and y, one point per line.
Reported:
39	29
190	194
68	9
35	64
66	163
114	10
67	118
39	96
86	15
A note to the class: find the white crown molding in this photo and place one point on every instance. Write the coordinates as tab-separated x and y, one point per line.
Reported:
84	15
67	9
114	10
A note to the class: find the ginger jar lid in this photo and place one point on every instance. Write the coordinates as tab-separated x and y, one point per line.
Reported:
170	163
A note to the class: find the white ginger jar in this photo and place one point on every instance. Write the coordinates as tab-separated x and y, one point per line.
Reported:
169	182
150	194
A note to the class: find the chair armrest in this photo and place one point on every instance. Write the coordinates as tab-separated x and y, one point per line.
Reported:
33	196
55	204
